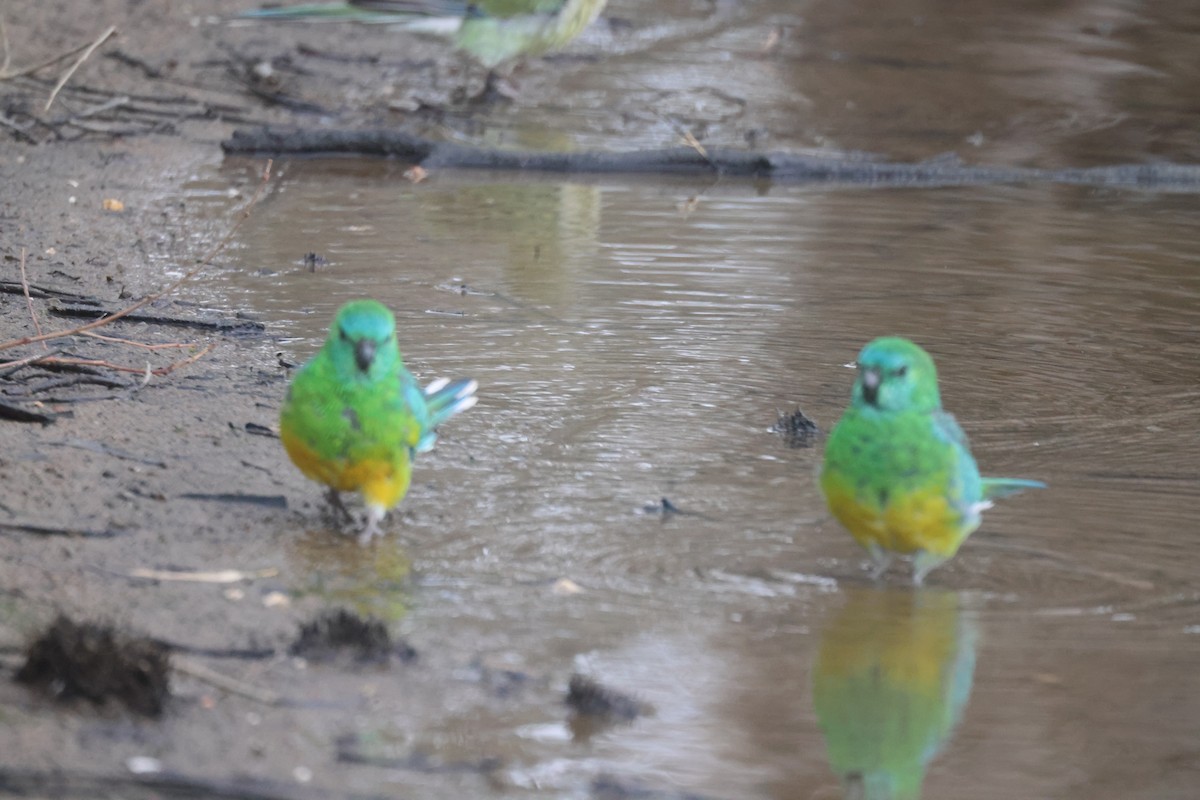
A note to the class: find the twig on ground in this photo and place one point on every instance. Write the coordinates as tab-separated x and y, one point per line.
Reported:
691	141
37	326
75	380
50	530
99	362
41	65
104	37
92	309
217	576
11	367
4	43
114	103
224	682
134	343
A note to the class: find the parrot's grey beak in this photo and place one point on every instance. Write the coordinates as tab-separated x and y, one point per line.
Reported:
870	385
364	354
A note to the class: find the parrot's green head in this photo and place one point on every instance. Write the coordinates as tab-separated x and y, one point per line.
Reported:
362	341
896	375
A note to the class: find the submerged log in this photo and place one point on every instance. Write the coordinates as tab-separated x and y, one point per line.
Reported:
776	166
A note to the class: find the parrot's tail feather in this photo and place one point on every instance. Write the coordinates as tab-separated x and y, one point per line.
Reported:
994	488
444	399
332	11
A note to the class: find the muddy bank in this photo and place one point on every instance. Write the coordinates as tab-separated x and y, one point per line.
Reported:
126	489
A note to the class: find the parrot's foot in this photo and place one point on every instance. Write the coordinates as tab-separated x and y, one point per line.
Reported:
339	508
497	88
924	563
880	559
374	516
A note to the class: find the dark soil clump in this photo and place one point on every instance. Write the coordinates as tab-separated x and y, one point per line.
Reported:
95	662
588	698
341	634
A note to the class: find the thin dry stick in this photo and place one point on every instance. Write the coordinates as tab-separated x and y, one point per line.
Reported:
4	44
221	681
37	326
212	576
132	343
6	75
98	362
694	143
109	105
187	276
10	367
78	63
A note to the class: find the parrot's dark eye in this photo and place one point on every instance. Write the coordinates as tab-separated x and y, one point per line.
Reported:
342	334
900	373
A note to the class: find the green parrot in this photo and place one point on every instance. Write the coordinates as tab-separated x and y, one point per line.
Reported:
897	470
354	417
492	31
892	676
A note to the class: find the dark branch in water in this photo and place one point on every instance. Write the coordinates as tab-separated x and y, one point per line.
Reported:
777	166
79	784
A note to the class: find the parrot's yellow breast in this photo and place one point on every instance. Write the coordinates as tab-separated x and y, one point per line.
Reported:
382	481
920	519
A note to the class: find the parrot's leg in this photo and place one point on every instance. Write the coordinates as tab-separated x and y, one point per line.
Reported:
374	516
335	501
881	558
923	564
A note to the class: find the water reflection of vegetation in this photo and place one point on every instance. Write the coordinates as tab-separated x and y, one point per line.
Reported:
548	227
370	580
892	676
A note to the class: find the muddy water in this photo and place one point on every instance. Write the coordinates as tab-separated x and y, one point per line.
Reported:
635	340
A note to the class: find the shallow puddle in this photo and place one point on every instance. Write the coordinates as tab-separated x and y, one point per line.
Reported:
635	341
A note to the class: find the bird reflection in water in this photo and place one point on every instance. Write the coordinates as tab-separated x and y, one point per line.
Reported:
892	676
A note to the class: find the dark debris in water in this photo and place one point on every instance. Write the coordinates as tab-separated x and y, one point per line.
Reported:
664	509
663	506
589	698
796	429
502	682
312	261
340	634
95	662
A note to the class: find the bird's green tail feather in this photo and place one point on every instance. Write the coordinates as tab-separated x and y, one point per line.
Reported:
444	399
995	488
310	11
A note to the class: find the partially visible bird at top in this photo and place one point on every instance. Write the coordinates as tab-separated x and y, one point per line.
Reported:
493	32
355	418
898	472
